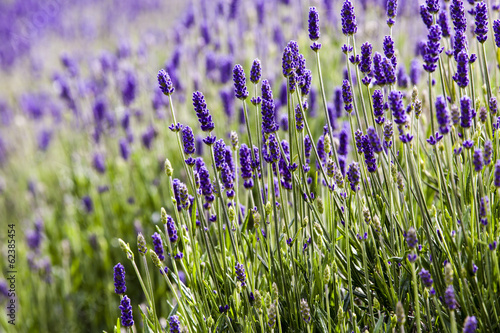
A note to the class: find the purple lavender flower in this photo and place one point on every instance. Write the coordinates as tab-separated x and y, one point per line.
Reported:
175	324
349	25
219	153
343	149
459	43
165	83
240	88
273	149
127	319
411	238
246	166
488	151
240	273
202	112
461	77
268	113
171	230
449	298
457	14
353	175
388	45
426	16
227	180
425	276
389	73
365	65
129	87
496	30
313	24
378	70
397	108
374	140
392	8
43	139
442	115
433	48
307	152
477	160
148	136
378	106
484	204
255	72
467	113
388	132
99	163
124	148
89	205
432	6
414	72
206	186
470	324
347	96
305	83
481	30
442	20
370	160
158	245
188	140
402	78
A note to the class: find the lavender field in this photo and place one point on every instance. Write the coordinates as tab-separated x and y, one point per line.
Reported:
250	166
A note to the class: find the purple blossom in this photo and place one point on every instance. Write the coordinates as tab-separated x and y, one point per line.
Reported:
240	88
313	24
202	112
349	25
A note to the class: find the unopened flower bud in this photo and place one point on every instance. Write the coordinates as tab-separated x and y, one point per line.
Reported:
141	244
154	258
169	171
448	274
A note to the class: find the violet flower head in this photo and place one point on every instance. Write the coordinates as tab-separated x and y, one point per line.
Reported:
492	104
305	82
461	77
442	115
175	324
432	6
188	140
374	140
305	311
426	16
287	62
488	151
433	48
378	70
466	112
158	245
397	108
389	73
347	96
349	25
255	71
365	66
299	118
343	149
124	148
457	14
477	160
378	106
127	319
459	43
415	72
165	83
411	238
353	175
449	298
99	162
388	45
246	166
219	153
425	276
313	24
171	230
240	273
269	124
274	152
442	20
119	279
470	324
370	160
497	174
204	117
481	21
496	31
392	8
240	87
227	178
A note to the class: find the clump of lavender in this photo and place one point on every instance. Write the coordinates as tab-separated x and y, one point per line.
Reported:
175	324
119	278
246	166
378	106
461	77
466	112
255	71
353	175
470	324
313	24
305	311
188	140
347	96
171	230
269	124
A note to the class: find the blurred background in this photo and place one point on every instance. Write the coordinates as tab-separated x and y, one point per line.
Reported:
84	127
